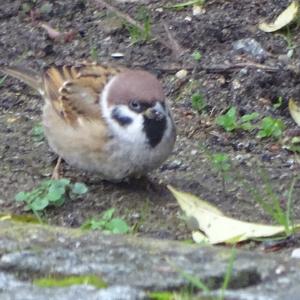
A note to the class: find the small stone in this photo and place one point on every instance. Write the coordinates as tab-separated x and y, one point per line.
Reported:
236	84
280	269
198	10
296	253
194	152
117	55
135	215
221	80
244	71
188	19
173	165
290	162
181	74
251	47
159	10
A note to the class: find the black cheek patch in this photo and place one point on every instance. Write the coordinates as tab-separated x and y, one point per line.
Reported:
154	130
122	120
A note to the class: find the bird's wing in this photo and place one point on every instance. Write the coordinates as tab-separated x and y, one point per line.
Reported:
74	91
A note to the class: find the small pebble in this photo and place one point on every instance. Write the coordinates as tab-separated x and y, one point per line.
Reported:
280	269
198	10
181	74
251	47
194	152
117	55
236	84
173	165
188	19
296	253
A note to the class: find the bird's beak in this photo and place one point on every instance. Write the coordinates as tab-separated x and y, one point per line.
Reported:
155	113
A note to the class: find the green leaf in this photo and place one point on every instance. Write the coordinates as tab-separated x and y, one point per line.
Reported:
39	204
247	126
229	120
38	132
117	226
58	188
108	214
278	102
21	196
270	128
198	102
54	195
196	55
249	117
97	224
79	188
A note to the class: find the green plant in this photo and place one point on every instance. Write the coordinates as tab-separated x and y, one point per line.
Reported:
197	283
2	79
288	35
94	54
37	132
138	34
278	103
65	281
198	102
271	202
228	274
270	127
107	223
50	192
222	164
183	5
229	121
197	55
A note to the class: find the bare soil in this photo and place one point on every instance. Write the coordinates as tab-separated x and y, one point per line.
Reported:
147	203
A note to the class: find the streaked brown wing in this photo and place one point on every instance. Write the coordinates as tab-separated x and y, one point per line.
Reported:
74	91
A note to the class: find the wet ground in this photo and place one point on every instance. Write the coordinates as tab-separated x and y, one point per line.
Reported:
224	76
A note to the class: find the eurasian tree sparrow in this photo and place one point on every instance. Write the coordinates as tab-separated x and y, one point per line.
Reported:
113	121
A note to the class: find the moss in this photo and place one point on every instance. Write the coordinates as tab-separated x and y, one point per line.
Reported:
59	281
161	295
19	218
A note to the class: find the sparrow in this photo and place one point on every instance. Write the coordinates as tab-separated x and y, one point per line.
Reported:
110	120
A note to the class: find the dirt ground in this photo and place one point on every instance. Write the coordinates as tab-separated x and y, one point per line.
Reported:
147	203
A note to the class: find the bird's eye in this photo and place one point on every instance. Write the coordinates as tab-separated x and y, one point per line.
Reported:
135	105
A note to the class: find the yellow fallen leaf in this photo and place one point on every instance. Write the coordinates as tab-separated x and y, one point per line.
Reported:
192	201
199	237
286	17
294	111
5	217
219	228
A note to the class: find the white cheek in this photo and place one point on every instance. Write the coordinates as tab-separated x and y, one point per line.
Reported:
133	132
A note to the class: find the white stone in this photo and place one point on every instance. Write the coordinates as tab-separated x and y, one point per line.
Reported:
296	253
181	74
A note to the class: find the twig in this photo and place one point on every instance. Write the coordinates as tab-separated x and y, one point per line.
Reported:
171	44
225	68
219	68
174	45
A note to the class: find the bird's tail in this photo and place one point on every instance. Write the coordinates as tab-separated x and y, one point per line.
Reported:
30	77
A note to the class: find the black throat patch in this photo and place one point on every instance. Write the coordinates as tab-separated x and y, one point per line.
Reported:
122	120
154	130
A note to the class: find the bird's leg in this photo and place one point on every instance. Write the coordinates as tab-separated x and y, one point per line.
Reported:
55	173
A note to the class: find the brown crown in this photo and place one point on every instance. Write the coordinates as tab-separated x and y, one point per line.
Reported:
135	85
